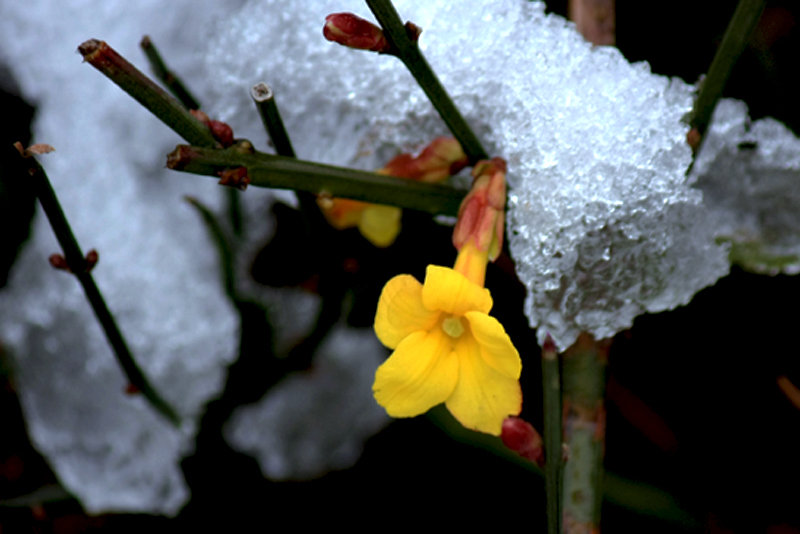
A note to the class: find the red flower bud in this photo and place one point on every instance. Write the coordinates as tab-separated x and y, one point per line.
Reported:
437	161
520	436
352	31
481	215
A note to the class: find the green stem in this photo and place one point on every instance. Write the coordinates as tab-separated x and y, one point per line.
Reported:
77	264
739	29
146	92
264	99
167	77
553	438
583	375
267	170
409	53
225	253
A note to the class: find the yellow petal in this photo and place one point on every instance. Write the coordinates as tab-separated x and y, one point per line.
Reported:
483	397
419	374
496	347
451	292
341	213
401	311
380	224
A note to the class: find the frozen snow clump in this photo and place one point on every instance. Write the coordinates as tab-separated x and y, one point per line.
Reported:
603	225
315	421
749	174
157	269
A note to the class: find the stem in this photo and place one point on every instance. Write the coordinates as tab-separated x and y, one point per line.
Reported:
409	53
77	264
264	99
167	77
584	366
595	20
736	35
225	253
267	170
146	92
553	438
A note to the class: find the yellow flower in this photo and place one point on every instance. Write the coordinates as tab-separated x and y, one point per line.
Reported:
380	224
446	347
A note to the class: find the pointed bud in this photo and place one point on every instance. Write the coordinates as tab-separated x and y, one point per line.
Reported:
481	217
354	32
91	260
221	131
520	436
437	161
57	261
234	178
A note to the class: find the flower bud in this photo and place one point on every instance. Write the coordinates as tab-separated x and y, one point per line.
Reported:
352	31
481	215
442	158
520	436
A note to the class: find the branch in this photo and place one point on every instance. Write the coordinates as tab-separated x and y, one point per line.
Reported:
406	48
739	29
146	92
77	264
267	170
167	77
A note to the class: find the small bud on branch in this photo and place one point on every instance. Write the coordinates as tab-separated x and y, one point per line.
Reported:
354	32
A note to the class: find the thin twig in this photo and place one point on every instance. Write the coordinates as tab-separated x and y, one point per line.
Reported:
268	170
742	23
146	92
167	77
553	438
409	53
77	265
264	99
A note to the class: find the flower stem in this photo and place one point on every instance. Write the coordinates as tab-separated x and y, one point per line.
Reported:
77	265
167	77
409	53
267	170
736	35
146	92
553	438
583	375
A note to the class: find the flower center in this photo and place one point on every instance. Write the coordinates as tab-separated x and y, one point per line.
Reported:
453	326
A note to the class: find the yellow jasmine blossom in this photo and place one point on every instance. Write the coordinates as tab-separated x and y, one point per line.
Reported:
380	224
447	349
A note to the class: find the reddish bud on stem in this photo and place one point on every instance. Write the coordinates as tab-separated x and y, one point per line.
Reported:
235	178
354	32
481	215
520	436
57	261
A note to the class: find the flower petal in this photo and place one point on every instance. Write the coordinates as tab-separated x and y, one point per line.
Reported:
483	397
451	292
401	312
496	347
419	374
380	224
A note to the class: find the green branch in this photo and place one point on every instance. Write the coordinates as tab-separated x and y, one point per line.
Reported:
583	377
78	266
146	92
553	438
738	32
267	170
167	77
409	53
